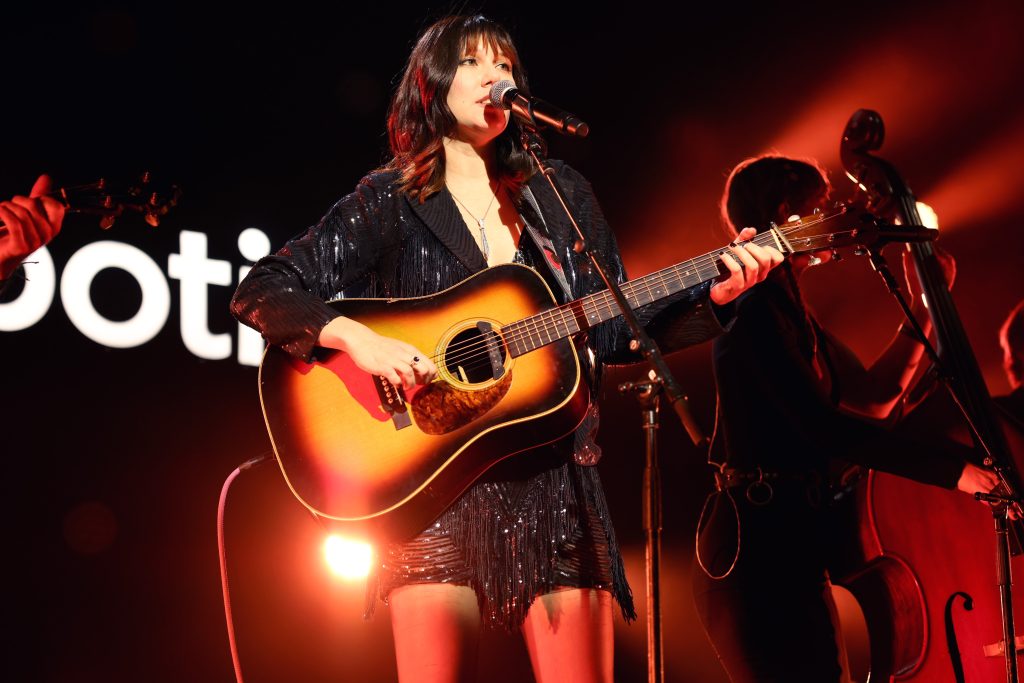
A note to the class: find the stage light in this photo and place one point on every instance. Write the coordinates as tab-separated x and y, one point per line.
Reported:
348	558
929	218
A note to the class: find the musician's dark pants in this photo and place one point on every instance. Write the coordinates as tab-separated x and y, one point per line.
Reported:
768	619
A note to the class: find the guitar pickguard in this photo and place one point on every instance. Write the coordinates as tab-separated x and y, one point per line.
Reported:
440	408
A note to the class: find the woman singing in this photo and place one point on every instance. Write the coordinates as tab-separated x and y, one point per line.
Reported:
530	545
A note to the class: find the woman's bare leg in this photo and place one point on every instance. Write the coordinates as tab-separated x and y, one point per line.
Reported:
569	636
437	632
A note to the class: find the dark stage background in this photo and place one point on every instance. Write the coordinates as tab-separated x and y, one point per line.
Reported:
115	457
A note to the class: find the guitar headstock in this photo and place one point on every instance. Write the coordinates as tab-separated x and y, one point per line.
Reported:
110	200
843	226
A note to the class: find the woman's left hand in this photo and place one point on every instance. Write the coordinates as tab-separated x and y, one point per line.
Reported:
748	264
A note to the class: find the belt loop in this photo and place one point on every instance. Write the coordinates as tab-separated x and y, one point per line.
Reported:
759	491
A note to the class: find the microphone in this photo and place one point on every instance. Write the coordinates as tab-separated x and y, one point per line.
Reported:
505	95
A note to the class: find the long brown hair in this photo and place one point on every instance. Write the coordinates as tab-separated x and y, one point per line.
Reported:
419	117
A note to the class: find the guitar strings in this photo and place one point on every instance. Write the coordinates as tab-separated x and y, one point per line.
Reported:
547	324
602	302
551	323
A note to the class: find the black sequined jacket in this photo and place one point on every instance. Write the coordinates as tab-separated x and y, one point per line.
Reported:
376	242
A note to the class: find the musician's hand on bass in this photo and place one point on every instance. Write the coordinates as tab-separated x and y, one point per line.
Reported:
400	363
748	265
974	479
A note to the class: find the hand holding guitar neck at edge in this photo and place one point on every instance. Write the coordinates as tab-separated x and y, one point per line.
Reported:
28	223
748	265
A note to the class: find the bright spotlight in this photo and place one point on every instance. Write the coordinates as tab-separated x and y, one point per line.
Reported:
348	558
929	218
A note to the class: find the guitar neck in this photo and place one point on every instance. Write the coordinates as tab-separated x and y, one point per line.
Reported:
557	323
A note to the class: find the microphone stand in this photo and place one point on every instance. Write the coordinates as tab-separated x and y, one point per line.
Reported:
641	340
649	393
661	377
1000	503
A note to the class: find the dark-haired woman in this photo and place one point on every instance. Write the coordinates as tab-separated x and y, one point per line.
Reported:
530	545
761	587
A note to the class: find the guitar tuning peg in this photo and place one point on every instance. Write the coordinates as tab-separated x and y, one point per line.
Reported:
106	222
836	256
814	261
860	250
817	210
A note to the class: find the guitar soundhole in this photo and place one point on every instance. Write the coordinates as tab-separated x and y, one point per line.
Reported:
475	356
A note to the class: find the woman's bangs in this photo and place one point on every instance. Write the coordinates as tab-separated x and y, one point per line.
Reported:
491	36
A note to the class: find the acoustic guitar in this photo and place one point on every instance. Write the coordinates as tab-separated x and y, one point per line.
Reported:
387	461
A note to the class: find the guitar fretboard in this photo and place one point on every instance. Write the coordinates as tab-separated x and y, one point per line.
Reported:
544	328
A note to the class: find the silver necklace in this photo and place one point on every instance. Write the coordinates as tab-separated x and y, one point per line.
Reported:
484	246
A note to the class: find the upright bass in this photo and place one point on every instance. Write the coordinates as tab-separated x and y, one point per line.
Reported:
925	563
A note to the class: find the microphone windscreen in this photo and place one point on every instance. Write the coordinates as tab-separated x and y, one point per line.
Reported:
502	93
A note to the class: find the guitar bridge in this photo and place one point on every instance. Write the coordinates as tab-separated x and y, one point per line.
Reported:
392	402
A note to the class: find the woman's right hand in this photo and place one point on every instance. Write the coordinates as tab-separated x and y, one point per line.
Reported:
400	363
